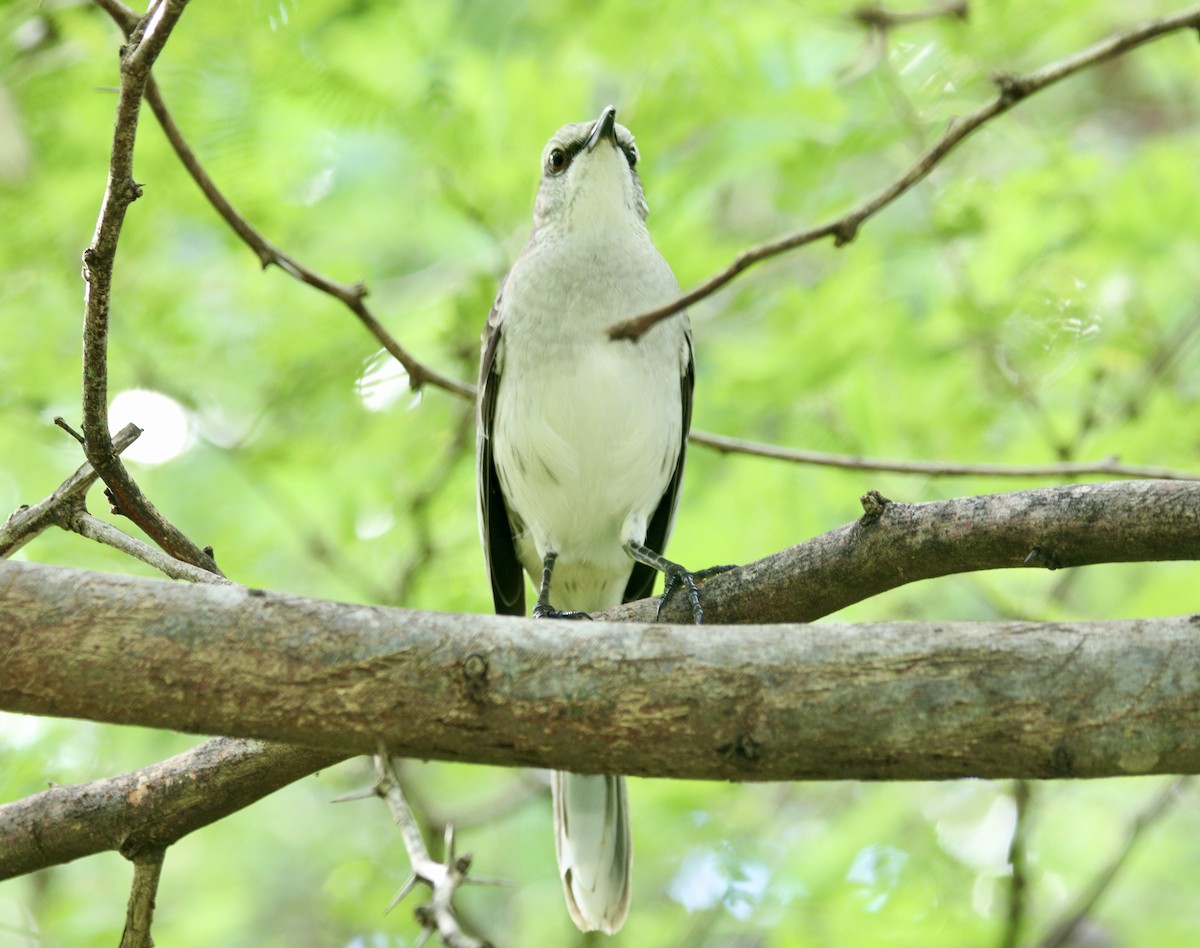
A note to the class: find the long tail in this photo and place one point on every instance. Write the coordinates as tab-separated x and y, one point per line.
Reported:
595	857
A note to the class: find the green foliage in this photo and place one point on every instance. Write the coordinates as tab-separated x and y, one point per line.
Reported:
1034	300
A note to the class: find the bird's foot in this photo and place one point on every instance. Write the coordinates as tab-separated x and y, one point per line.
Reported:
543	610
675	576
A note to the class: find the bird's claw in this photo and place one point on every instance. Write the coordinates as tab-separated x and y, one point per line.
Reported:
677	576
542	611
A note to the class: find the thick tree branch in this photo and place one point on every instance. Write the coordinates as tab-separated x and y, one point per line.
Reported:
886	700
137	57
147	810
1013	88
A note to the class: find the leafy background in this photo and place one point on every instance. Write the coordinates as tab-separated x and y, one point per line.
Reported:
1035	300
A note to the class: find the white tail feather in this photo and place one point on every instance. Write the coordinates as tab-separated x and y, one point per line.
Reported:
591	840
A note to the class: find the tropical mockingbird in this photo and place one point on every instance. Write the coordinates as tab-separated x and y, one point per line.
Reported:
581	445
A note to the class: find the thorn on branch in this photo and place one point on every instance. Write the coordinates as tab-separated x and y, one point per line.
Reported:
404	889
443	878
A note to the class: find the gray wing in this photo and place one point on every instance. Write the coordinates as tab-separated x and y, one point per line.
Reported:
641	581
508	580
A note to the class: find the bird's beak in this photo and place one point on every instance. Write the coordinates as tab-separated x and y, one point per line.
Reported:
605	127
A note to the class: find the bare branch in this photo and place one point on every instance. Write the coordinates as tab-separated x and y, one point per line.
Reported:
1013	88
443	879
1061	934
139	913
137	57
95	529
149	809
886	700
351	295
894	544
1109	467
420	374
25	523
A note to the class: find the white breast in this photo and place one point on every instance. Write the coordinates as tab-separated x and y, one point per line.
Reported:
587	431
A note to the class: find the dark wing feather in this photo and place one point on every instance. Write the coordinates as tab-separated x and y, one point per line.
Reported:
508	580
641	581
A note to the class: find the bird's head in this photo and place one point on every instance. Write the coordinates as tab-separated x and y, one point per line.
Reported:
590	179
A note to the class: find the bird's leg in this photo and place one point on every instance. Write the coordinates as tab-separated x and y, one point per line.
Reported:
675	576
542	609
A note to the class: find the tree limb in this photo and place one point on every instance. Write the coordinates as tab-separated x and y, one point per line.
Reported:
1013	88
879	701
895	544
147	810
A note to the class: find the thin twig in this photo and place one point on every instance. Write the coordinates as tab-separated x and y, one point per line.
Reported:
442	878
1060	934
881	18
96	529
25	523
1013	88
61	422
1108	467
146	41
1018	862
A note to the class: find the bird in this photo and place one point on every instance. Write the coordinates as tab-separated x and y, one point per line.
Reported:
581	443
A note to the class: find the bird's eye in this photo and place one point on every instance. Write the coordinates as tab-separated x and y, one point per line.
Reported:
631	156
557	161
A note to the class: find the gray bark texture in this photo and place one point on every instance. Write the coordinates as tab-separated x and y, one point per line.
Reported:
892	700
